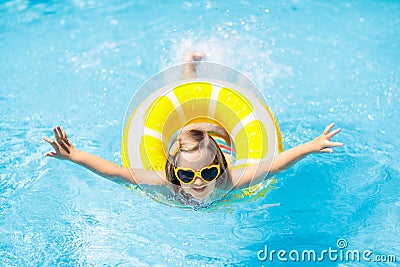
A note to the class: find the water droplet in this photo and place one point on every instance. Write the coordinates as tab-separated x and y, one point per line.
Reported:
114	22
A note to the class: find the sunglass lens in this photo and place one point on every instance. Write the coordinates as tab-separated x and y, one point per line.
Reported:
209	174
185	176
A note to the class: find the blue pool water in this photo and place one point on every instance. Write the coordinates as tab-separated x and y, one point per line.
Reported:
77	64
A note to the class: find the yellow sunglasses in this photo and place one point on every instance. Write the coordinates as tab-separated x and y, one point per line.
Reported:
207	174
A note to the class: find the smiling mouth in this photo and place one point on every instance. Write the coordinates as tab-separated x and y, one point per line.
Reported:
199	189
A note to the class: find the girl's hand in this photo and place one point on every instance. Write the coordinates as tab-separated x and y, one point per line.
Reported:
323	144
193	56
62	146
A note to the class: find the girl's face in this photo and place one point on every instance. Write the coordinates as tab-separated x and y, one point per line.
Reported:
197	160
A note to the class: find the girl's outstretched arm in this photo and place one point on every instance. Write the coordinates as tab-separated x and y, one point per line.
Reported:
257	173
107	169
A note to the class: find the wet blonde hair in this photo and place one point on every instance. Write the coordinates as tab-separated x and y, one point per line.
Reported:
193	140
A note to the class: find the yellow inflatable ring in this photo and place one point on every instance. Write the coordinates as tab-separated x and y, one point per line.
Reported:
152	122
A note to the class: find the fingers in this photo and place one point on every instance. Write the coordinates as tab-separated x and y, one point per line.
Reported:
62	139
334	144
57	133
198	56
61	145
64	146
52	143
193	56
64	136
62	132
332	134
48	140
51	154
327	150
329	128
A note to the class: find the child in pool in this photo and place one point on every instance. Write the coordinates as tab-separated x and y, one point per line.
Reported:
199	157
